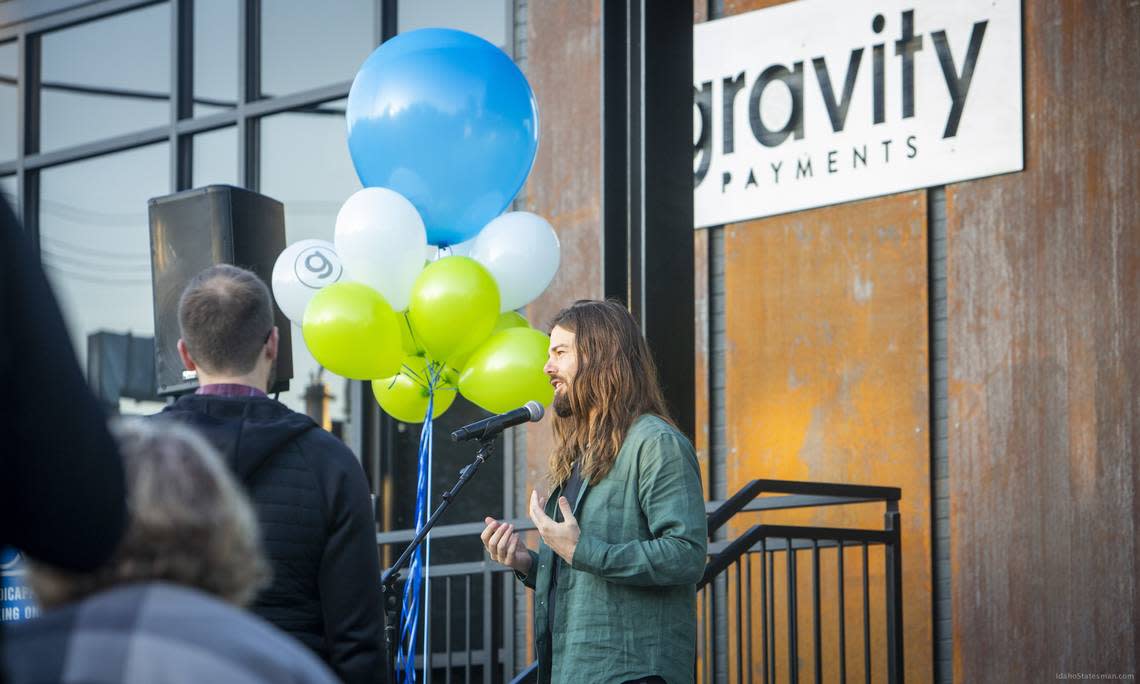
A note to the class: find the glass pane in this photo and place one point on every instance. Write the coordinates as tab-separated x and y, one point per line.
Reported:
106	78
95	241
485	18
305	165
215	56
215	158
312	44
10	192
9	64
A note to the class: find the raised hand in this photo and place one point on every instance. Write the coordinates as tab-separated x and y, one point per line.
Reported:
561	537
503	544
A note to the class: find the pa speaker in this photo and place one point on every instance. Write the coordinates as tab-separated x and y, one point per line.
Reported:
195	229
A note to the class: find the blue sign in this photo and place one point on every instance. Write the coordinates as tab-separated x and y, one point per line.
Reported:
16	600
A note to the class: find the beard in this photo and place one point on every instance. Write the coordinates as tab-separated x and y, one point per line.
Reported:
561	404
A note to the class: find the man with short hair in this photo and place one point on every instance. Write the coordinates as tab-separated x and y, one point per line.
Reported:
624	534
309	491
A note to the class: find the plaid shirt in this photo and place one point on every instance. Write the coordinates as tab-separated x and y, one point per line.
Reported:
155	633
626	609
230	390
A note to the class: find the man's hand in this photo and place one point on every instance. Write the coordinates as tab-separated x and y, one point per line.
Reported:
502	543
561	537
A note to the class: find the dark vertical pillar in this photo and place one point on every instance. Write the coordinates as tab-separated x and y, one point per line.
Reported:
647	191
249	89
28	182
182	94
381	444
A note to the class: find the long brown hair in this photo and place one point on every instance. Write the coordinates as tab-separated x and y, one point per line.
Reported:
616	382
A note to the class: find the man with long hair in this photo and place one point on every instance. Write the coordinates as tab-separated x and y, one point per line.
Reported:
624	534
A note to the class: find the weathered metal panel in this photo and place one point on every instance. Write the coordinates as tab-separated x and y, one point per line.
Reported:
827	381
1044	280
563	66
701	387
565	186
807	351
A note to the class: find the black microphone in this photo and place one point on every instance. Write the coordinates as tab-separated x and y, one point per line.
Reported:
489	427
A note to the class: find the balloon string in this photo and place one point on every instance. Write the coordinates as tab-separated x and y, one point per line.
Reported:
427	541
416	590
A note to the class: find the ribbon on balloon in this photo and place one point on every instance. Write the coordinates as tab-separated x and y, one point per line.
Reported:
417	591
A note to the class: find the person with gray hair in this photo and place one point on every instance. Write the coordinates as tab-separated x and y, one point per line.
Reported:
308	489
166	606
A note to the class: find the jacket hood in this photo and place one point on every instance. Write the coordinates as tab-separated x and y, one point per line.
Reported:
247	431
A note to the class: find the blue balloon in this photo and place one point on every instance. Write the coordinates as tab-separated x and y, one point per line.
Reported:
447	120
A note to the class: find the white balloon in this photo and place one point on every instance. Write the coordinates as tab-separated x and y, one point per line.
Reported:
521	251
301	269
381	239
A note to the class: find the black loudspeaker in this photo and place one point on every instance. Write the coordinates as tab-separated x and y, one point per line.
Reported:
120	365
195	229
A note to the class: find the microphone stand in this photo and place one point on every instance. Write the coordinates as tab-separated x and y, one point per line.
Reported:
392	575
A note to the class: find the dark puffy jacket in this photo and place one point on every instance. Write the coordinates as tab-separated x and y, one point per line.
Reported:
315	512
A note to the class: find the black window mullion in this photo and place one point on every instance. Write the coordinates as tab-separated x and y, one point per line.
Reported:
389	19
182	91
21	85
249	66
252	148
30	206
28	89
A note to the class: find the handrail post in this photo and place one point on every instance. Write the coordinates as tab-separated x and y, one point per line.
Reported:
894	575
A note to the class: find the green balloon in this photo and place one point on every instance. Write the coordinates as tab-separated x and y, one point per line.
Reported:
352	331
455	365
453	307
407	339
510	319
404	396
506	371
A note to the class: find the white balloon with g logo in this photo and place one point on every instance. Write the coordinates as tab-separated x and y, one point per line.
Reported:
301	269
521	251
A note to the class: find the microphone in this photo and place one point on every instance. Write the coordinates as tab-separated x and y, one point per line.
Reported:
489	427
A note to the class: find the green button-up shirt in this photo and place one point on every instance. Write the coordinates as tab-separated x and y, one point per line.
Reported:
626	608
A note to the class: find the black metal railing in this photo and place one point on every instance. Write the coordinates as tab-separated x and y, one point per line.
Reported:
752	599
471	616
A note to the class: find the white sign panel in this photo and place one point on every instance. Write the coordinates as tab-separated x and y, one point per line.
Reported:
818	102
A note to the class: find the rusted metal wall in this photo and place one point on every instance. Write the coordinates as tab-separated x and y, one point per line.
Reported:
1044	364
564	63
564	66
701	386
826	364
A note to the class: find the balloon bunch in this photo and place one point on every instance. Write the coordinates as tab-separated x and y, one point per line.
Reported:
418	291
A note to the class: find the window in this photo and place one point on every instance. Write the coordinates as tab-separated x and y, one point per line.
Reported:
215	56
95	240
489	19
10	192
214	158
105	78
313	44
305	165
9	61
